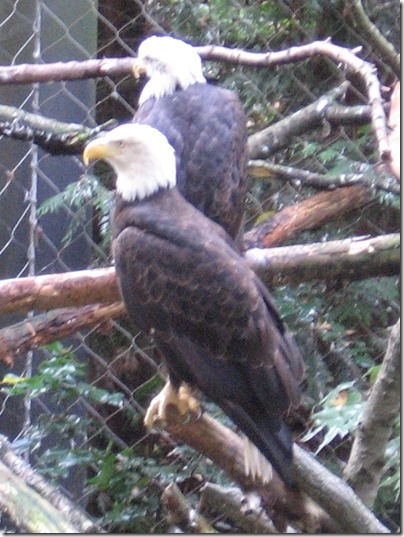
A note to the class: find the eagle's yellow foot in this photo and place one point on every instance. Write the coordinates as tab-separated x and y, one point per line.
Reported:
183	400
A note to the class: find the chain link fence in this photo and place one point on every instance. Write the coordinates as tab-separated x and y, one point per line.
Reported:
73	237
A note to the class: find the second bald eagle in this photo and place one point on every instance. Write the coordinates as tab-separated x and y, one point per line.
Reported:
205	124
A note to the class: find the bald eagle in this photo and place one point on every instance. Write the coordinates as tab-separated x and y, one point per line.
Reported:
205	124
182	280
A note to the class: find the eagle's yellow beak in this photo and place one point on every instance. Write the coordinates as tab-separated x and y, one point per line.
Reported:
97	149
138	68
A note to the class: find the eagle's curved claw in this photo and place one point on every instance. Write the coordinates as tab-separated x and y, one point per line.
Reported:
187	406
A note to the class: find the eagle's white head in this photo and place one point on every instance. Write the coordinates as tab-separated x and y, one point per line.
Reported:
142	158
168	63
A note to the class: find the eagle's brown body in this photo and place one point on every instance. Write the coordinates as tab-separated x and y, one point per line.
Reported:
206	125
212	317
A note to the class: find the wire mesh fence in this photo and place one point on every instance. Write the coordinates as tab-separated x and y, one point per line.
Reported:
114	356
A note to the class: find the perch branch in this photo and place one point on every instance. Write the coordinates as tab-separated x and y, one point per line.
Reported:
29	73
34	504
367	460
226	449
379	255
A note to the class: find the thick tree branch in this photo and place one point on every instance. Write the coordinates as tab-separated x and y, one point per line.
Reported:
52	291
307	214
370	177
380	256
230	503
53	326
367	460
34	504
347	259
226	449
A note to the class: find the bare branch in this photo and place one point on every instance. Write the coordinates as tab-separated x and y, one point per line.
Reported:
54	326
271	139
307	214
370	177
339	55
55	137
334	495
327	260
75	70
230	502
34	504
181	514
373	35
226	449
352	259
26	73
367	460
52	291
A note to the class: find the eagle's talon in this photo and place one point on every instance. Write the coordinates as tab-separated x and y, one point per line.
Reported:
187	406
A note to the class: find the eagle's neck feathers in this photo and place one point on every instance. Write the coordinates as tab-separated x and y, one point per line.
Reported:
141	178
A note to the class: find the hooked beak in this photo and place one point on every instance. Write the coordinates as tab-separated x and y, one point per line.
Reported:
138	68
97	149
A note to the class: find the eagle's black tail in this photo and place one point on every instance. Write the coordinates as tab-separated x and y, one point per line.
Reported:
270	435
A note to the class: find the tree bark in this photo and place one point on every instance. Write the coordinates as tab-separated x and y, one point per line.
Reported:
226	449
52	291
349	259
294	264
34	504
307	214
367	460
53	326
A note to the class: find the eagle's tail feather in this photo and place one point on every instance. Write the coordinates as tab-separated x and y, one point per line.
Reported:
273	440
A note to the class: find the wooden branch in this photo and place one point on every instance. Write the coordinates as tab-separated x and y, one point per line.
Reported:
307	214
329	260
370	178
373	35
55	137
339	55
367	459
226	449
54	326
32	503
264	143
230	503
181	514
52	291
27	73
356	258
334	496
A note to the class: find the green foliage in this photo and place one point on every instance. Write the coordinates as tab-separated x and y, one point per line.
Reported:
338	415
82	197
